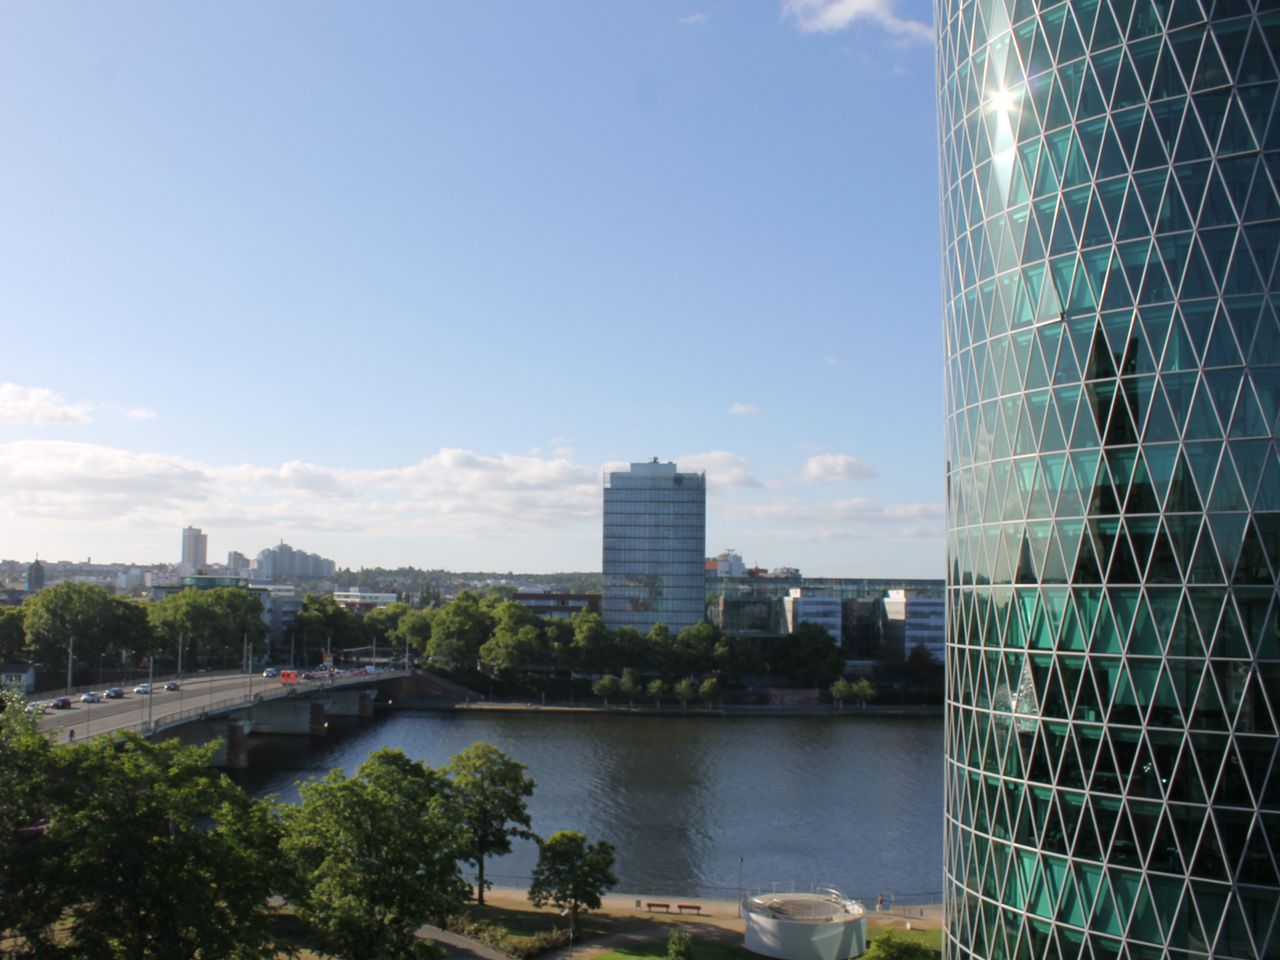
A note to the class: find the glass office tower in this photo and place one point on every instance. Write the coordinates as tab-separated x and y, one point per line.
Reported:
654	547
1111	220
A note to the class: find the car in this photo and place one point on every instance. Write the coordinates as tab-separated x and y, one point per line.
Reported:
60	703
113	693
142	688
92	696
35	707
271	672
173	685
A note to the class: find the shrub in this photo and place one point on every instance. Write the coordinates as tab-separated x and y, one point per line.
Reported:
679	946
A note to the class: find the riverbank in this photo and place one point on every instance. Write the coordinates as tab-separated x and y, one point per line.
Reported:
878	711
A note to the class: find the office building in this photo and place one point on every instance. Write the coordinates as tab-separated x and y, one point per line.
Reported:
806	606
654	547
1111	217
33	581
562	606
195	551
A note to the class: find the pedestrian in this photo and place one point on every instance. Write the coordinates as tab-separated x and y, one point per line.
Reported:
879	903
71	734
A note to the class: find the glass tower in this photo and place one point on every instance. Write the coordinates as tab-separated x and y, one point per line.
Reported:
1111	220
654	547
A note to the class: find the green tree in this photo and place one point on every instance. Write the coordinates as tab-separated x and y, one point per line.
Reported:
29	904
414	628
212	626
489	792
323	624
679	945
606	687
557	637
13	637
862	690
709	689
459	630
887	946
656	690
628	685
694	648
516	639
808	656
381	625
591	646
374	856
159	855
686	690
841	691
98	622
572	874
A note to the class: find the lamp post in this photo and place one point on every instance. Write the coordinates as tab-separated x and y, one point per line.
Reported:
71	654
739	886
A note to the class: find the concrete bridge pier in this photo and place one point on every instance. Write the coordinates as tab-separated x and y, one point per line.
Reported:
349	703
231	737
294	716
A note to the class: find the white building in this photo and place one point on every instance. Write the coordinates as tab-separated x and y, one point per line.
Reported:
727	564
803	606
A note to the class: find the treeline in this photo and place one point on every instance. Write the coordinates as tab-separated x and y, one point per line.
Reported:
506	640
211	627
138	849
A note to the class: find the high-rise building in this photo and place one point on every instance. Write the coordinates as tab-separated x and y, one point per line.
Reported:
195	550
1111	219
33	582
654	547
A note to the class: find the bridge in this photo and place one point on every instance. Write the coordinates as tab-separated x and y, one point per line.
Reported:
229	707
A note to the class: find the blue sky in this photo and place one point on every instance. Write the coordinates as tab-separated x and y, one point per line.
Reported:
396	282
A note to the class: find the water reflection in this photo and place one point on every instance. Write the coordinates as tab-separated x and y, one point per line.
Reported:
856	804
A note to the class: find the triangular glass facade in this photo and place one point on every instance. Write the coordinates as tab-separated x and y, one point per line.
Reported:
1111	220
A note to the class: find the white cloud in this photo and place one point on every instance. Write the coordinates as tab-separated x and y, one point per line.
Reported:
829	16
724	470
745	410
28	406
836	468
694	18
140	413
834	362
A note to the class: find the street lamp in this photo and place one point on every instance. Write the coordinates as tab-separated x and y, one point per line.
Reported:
71	653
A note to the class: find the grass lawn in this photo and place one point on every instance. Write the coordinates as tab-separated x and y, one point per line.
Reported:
702	950
929	938
525	923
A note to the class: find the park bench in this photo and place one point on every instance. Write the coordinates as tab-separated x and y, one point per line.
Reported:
689	908
653	907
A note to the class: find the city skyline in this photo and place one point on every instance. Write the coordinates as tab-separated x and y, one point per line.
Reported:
395	286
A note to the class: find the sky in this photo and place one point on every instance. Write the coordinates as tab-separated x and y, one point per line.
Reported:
398	282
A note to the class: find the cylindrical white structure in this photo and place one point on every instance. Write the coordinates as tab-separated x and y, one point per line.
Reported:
805	926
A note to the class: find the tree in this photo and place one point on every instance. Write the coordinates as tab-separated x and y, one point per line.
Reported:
28	906
375	856
96	621
516	639
656	690
323	622
382	623
606	687
459	630
628	685
886	946
686	690
572	874
159	856
414	628
841	691
12	634
590	647
808	656
709	689
488	790
694	648
862	690
679	945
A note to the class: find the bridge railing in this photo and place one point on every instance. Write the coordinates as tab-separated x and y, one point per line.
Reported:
227	704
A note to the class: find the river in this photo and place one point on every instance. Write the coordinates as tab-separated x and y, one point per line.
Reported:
853	803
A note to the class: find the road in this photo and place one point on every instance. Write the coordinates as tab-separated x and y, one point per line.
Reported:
135	711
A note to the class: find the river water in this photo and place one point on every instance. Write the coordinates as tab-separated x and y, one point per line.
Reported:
853	803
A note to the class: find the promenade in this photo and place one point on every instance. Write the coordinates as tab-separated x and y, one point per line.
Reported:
718	921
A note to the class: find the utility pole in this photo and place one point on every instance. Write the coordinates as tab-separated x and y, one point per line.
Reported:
71	655
151	676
